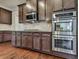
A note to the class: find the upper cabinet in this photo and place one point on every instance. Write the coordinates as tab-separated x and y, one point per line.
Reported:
5	16
57	5
69	4
31	6
22	12
41	9
63	4
49	10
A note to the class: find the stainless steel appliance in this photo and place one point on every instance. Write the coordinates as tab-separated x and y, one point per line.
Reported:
64	23
31	16
64	32
66	44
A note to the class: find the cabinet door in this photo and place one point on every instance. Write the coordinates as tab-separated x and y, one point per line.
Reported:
36	41
20	13
6	16
18	39
29	42
41	9
7	36
57	5
26	40
49	10
24	13
69	4
13	41
46	42
1	37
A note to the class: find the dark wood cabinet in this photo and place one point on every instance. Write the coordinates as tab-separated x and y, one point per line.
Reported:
22	13
1	36
46	42
37	41
27	40
57	5
41	10
34	40
67	4
63	4
7	36
18	39
5	16
24	41
13	41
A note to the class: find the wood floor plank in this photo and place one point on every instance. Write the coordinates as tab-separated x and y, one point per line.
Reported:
7	51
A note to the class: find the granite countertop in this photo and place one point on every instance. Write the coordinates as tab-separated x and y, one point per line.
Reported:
31	31
24	31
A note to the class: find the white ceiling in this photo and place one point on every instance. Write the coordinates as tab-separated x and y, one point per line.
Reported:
12	4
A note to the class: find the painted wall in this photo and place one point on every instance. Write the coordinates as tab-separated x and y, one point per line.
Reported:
5	26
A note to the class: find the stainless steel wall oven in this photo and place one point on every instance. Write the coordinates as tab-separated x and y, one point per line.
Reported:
64	32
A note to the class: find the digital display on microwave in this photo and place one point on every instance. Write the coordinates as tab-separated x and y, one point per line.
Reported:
63	26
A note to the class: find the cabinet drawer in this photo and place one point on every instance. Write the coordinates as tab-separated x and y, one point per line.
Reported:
36	34
25	34
18	33
7	32
46	34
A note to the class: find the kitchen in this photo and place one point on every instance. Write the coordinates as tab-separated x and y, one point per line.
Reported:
47	27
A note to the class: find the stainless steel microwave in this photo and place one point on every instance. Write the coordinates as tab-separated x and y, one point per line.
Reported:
32	16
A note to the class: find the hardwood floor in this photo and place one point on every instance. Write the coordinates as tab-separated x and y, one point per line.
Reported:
7	51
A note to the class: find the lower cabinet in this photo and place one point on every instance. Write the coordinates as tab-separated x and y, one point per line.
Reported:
24	41
7	36
13	41
27	40
1	36
36	41
46	42
18	39
33	40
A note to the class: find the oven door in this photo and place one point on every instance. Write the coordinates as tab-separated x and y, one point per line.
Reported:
66	44
64	26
